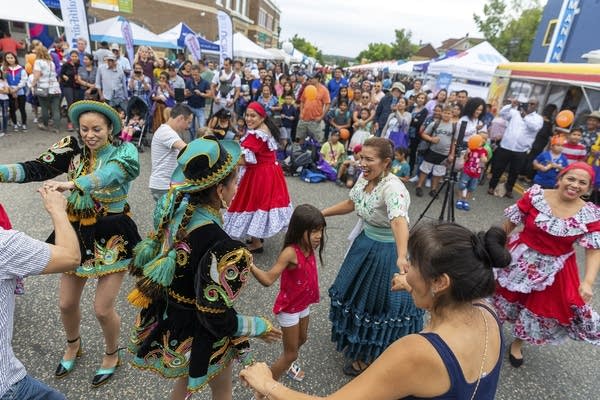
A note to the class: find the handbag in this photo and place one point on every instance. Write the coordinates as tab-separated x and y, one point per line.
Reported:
41	92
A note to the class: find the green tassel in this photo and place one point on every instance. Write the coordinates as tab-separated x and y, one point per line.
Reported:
145	251
81	207
162	270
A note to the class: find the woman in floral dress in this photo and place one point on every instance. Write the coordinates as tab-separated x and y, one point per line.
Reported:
366	315
540	292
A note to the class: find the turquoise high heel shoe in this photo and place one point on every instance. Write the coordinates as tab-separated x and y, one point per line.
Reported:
65	367
103	375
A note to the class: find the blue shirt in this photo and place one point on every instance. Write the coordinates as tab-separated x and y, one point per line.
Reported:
334	86
547	179
289	110
400	168
194	100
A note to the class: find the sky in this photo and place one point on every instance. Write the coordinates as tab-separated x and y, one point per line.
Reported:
346	27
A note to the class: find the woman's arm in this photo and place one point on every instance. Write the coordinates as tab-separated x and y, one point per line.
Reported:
508	226
267	278
341	208
592	264
399	227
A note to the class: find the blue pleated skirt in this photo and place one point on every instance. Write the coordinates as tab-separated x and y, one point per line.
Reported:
366	315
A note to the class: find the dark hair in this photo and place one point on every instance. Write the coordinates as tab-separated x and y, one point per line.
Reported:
467	258
342	102
88	56
549	110
383	147
181	109
74	52
207	196
471	105
463	91
273	128
12	54
401	150
305	218
580	130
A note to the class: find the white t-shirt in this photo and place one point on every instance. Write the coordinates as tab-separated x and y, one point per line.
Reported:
164	157
226	79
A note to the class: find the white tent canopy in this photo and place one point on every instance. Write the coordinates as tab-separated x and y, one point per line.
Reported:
109	30
278	54
477	64
405	68
31	11
245	48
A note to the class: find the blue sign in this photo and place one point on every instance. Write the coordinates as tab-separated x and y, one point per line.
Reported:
52	3
443	81
561	34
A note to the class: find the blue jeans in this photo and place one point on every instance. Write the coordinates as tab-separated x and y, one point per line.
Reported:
201	118
30	388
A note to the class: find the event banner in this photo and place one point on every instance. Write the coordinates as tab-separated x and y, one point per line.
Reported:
128	36
75	19
225	36
193	46
124	6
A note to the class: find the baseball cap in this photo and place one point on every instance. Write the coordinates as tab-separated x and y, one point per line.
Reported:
110	57
114	46
399	86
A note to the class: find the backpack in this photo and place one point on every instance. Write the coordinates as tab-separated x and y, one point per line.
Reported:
311	176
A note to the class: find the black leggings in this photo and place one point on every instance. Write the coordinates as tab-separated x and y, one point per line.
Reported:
19	103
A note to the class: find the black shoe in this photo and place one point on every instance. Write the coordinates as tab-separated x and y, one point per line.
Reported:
514	361
419	192
432	193
65	367
508	195
103	375
490	191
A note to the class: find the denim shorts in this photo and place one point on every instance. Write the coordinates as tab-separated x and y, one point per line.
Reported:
468	182
30	388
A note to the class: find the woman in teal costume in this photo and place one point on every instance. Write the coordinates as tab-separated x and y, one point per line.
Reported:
98	176
190	272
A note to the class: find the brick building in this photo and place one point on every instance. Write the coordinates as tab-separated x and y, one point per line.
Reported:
257	19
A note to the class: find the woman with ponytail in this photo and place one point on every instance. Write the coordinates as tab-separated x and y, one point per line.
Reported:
262	206
190	272
458	353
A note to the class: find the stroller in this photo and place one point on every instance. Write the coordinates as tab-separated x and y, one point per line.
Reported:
137	105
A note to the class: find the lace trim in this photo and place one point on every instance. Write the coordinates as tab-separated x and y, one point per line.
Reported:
265	137
249	156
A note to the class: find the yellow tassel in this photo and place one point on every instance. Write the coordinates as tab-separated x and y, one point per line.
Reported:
138	299
88	221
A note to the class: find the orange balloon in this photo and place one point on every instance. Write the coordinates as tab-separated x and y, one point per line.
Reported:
29	68
344	134
565	118
350	93
310	92
475	142
30	58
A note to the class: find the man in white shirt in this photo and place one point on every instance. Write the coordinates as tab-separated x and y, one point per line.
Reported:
123	62
523	125
226	88
21	256
166	144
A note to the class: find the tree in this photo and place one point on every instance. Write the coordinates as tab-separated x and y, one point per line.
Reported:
376	52
510	26
403	48
306	47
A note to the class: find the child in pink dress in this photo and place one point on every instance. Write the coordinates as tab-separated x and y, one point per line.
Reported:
297	266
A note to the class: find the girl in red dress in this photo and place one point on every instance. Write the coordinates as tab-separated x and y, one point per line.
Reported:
261	208
540	292
297	266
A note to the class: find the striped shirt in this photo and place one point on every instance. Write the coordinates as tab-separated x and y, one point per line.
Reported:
574	152
20	256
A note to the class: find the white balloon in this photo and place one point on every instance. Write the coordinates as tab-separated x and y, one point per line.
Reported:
287	47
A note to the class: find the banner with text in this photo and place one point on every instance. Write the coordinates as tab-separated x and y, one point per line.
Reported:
193	46
128	36
75	19
225	36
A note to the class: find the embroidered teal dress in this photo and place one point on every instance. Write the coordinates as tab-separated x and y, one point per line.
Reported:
98	209
366	316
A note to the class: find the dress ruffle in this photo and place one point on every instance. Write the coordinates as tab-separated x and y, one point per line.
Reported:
260	224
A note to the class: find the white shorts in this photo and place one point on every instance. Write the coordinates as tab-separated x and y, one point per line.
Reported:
436	170
286	320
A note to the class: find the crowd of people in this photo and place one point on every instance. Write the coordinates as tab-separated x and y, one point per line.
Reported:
221	193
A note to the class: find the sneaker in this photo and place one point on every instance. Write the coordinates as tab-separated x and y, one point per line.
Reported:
419	192
459	204
16	127
35	120
23	127
508	195
466	206
42	127
339	182
432	193
414	179
2	133
428	183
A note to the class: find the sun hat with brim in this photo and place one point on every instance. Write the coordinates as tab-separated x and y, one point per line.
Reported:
594	114
399	86
84	106
205	162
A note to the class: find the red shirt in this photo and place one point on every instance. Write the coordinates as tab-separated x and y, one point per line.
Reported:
4	221
299	286
10	45
574	152
473	165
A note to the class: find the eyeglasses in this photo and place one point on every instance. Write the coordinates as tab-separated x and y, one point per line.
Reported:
365	97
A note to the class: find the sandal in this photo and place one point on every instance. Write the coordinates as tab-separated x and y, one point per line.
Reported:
350	370
295	372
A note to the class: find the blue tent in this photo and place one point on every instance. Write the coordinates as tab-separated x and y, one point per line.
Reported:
177	34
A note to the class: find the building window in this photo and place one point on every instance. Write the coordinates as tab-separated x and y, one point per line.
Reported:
269	25
262	17
228	4
549	32
238	6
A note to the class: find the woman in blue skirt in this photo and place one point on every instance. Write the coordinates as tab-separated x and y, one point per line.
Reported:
366	315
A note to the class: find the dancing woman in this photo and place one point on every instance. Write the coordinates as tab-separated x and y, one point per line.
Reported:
190	274
99	176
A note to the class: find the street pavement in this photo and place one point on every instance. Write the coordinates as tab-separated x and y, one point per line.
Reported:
568	371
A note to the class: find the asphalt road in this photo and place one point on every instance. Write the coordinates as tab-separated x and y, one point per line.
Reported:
568	371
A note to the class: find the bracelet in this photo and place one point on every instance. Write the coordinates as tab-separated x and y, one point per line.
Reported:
270	391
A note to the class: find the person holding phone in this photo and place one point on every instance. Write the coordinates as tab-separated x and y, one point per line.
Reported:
196	92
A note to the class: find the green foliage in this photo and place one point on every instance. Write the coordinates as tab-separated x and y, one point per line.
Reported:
307	48
400	49
510	26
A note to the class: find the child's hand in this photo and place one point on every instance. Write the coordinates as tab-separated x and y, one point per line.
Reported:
273	335
399	283
435	140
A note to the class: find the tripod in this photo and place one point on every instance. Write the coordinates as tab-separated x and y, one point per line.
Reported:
449	182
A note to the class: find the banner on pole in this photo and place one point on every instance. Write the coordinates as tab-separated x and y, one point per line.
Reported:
193	46
128	36
225	36
75	19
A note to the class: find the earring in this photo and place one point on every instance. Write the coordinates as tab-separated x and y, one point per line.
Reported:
224	204
432	293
